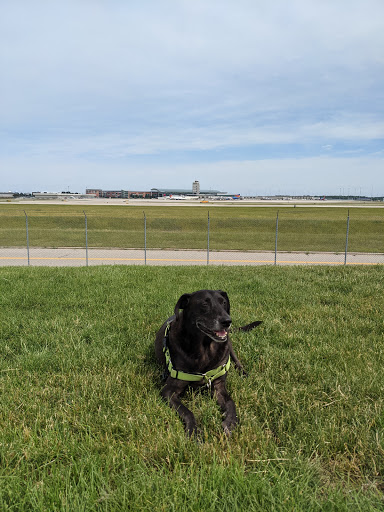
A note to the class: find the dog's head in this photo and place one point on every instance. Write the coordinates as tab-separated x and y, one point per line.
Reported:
208	311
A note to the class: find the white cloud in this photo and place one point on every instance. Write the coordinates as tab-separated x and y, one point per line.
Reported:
314	175
95	83
165	139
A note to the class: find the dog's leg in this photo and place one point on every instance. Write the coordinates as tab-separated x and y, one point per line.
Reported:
171	393
227	406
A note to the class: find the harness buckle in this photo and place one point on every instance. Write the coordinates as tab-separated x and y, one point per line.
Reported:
208	381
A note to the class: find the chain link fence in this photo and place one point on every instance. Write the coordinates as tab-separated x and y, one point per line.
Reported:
192	236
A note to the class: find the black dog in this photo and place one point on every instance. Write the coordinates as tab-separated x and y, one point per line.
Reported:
195	349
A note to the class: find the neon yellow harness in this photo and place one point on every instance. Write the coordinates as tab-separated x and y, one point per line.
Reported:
208	377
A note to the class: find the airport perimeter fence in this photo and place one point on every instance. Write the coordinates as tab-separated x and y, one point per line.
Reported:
222	236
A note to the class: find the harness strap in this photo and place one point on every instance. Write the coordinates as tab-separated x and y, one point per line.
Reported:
208	377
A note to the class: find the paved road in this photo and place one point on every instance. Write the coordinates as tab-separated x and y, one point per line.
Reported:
78	257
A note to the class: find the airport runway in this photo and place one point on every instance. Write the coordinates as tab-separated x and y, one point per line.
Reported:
288	203
66	257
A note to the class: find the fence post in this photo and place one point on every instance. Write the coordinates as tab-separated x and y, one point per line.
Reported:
27	231
145	239
209	223
277	232
346	241
86	238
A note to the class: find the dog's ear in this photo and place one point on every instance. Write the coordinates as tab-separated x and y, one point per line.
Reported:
224	294
182	303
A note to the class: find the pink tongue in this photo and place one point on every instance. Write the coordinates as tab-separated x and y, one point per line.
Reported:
221	333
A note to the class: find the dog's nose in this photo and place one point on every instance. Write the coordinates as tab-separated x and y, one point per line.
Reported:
226	322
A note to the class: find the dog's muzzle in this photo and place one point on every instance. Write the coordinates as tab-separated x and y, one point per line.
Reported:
219	336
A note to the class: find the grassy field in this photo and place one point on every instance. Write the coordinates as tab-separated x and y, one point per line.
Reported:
183	227
83	427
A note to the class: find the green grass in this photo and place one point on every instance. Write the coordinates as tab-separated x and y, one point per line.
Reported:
183	227
83	428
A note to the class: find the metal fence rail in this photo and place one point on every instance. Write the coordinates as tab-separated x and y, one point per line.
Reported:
208	239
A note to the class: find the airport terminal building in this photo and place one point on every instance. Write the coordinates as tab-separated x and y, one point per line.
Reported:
156	193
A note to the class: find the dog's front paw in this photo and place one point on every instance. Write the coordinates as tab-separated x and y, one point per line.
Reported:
191	428
228	425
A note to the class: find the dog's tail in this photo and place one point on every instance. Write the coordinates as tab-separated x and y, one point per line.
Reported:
248	327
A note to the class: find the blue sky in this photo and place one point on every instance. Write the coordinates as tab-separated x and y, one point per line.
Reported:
246	96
